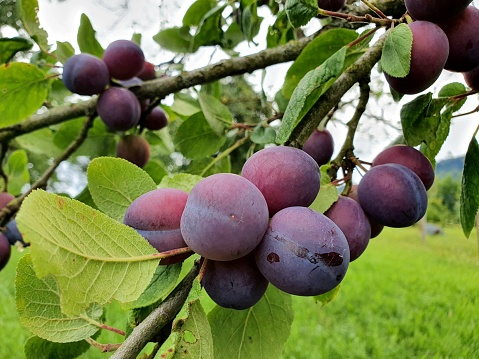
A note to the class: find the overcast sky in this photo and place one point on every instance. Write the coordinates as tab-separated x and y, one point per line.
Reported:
120	19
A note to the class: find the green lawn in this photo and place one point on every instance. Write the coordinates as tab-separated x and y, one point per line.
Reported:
402	299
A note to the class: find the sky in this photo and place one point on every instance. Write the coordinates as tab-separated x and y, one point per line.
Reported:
117	19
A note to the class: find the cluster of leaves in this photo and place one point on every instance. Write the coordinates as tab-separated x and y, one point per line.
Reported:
82	257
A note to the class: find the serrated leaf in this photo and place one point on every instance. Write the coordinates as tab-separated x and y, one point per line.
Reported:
258	332
191	333
196	139
86	38
197	11
311	87
183	181
27	11
163	281
94	258
23	88
175	39
38	305
327	195
112	193
10	46
313	55
396	55
64	51
327	297
38	348
217	114
469	203
412	117
301	11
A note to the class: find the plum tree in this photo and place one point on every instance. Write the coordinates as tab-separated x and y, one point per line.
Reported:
320	146
286	177
124	59
348	215
85	74
411	158
134	148
119	108
393	195
225	217
156	216
303	252
429	53
236	284
435	10
463	37
156	119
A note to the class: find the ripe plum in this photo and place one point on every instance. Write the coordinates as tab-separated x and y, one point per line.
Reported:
472	78
225	217
135	149
435	10
5	251
376	227
148	72
286	176
85	74
156	119
119	108
12	233
303	252
124	59
331	5
320	146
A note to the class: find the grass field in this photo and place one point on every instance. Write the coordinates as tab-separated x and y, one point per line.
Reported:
402	299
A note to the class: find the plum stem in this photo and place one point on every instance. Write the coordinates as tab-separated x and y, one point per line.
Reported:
105	348
375	9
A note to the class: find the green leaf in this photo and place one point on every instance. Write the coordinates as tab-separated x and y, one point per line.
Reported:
162	283
156	170
94	258
470	184
86	38
191	333
301	11
196	139
232	36
313	55
10	46
38	305
197	167
197	11
209	31
175	39
311	87
217	114
183	181
250	21
27	11
280	32
113	193
17	171
38	348
328	296
263	135
64	51
24	87
258	332
396	55
327	195
415	128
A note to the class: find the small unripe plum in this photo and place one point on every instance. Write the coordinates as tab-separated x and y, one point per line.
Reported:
303	252
85	74
225	217
119	108
148	72
320	146
124	59
393	195
462	32
286	176
236	284
5	251
435	10
135	149
353	222
331	5
429	53
472	78
411	158
156	119
156	216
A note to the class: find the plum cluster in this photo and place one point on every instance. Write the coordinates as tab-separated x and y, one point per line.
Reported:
445	36
253	229
10	235
123	66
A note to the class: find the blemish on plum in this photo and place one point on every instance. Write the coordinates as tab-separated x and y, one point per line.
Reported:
272	258
331	259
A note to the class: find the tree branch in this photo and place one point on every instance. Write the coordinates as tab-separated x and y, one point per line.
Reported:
161	316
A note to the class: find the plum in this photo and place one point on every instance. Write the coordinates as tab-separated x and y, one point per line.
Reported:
124	59
85	74
135	149
320	146
119	108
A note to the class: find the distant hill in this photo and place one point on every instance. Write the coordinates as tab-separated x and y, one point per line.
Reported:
451	166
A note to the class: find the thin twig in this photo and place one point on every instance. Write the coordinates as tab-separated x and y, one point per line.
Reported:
105	348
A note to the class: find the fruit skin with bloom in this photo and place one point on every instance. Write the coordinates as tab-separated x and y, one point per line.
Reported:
320	146
435	10
134	149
